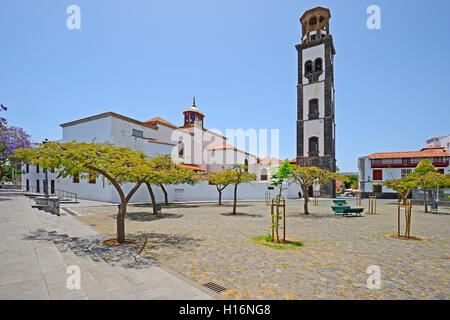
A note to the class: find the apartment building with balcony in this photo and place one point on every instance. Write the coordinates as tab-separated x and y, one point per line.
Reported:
378	167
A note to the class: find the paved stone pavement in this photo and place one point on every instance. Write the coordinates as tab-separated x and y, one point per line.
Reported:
199	241
36	248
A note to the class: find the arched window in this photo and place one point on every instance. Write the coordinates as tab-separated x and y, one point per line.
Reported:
308	66
318	64
246	165
181	149
263	176
312	21
313	146
313	109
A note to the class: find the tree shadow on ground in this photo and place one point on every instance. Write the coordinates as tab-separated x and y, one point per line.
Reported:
149	216
241	214
203	204
313	215
92	247
176	241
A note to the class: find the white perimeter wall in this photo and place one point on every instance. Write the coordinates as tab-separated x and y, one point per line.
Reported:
204	192
102	191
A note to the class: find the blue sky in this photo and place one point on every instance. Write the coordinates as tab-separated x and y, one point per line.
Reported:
147	58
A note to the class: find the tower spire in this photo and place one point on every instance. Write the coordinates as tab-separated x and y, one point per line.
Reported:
193	103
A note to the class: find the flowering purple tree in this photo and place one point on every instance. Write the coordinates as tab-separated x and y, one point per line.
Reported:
11	138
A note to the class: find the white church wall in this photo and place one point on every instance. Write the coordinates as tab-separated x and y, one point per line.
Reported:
202	192
122	136
99	129
100	191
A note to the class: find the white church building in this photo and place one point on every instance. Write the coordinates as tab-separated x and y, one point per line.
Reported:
191	145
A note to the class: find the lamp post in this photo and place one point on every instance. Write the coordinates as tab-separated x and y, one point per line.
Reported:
46	177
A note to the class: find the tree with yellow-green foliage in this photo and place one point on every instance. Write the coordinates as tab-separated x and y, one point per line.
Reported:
426	177
166	171
240	175
119	165
221	179
403	186
307	176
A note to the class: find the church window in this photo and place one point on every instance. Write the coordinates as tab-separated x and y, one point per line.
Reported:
313	109
246	165
264	176
313	146
318	64
181	149
313	21
137	133
308	66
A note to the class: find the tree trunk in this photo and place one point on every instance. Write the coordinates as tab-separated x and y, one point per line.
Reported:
152	196
123	201
166	198
235	196
2	173
306	197
277	221
220	197
121	221
425	200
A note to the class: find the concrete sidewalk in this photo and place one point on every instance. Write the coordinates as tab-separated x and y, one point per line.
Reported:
36	248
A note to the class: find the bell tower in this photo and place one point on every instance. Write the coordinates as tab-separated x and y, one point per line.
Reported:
315	96
193	116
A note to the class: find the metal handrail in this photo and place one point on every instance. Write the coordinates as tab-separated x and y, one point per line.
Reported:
61	194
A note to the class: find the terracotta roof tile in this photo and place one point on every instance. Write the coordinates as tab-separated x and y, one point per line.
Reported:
269	160
409	154
161	121
192	166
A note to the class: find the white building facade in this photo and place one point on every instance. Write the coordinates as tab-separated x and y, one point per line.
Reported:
379	167
443	141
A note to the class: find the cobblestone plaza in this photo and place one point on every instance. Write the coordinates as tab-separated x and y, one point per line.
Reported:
203	242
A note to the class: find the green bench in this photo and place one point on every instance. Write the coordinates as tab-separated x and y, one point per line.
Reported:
351	211
347	210
340	202
340	208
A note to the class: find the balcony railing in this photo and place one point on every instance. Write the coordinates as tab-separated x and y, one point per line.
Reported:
403	165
